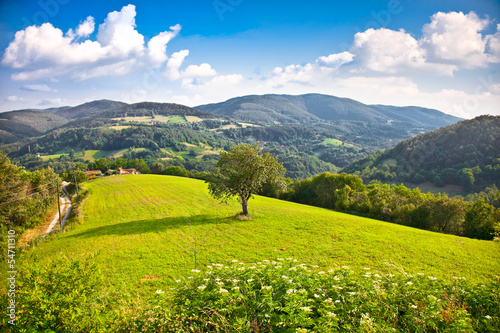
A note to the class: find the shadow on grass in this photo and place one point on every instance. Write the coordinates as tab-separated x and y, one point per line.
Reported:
155	225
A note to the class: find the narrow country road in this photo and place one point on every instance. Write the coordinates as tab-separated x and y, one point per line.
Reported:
65	208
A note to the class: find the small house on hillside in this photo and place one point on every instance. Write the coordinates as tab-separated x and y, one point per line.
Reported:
93	173
127	171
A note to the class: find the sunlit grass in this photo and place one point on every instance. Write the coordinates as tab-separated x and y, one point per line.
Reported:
144	228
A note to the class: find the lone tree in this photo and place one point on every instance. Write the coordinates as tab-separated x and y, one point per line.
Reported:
242	172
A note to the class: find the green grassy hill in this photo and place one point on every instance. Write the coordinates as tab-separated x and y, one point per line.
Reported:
138	224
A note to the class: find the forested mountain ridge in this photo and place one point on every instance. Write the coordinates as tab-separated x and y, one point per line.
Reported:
466	153
16	125
313	108
309	133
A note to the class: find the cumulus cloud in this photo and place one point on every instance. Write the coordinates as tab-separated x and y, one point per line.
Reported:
43	52
85	29
174	63
157	46
389	51
493	42
336	60
203	70
450	42
118	35
456	38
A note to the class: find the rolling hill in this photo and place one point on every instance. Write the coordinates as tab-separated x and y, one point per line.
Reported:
466	153
16	125
313	108
309	133
137	223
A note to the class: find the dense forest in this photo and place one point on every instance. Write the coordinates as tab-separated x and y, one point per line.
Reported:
466	153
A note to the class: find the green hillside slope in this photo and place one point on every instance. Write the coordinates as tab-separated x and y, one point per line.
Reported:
466	153
21	124
139	226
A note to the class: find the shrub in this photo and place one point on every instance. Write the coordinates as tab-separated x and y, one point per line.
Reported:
285	296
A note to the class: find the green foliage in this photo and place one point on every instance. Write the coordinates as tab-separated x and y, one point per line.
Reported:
60	295
242	172
466	153
24	195
396	204
286	296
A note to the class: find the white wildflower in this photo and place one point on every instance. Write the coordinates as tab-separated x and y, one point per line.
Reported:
321	273
202	287
249	280
414	306
221	290
433	278
409	283
331	314
306	309
159	291
487	317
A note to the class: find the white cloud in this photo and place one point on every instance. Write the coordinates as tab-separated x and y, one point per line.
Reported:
493	42
203	70
46	52
85	29
14	98
174	63
117	35
336	60
38	87
157	46
456	38
389	51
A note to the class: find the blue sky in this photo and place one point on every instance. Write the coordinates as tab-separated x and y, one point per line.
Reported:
437	54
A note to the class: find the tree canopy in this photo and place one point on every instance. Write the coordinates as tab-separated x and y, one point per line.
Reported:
243	172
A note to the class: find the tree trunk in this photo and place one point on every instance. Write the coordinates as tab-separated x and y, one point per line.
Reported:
244	205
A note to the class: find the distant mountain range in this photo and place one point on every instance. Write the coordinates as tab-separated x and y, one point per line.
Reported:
309	133
314	108
346	115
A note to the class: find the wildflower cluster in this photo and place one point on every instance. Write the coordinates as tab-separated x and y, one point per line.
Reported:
284	295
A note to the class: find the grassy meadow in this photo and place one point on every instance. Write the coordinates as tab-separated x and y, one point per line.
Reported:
143	229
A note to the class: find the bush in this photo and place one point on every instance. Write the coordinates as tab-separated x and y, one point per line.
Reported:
59	296
285	296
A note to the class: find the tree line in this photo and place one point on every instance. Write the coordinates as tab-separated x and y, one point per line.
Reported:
399	204
25	197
